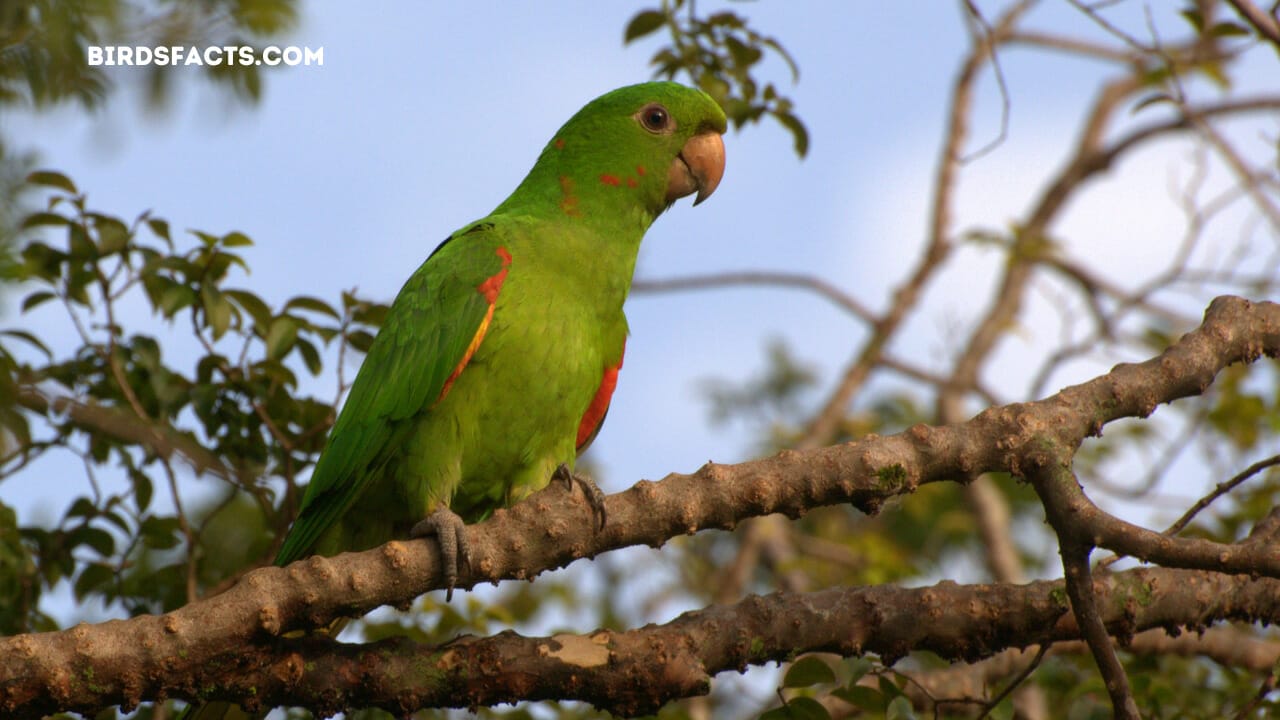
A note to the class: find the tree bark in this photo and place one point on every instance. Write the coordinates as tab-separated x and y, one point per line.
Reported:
232	646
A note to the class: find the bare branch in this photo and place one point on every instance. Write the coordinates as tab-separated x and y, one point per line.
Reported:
837	296
121	425
1219	490
1266	25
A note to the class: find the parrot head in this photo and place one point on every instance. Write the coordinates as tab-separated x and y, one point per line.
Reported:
641	146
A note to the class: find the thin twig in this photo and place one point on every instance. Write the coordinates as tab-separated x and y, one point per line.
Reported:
974	15
802	281
1013	684
1218	491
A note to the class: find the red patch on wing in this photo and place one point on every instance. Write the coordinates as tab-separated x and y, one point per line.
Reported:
490	288
610	180
568	203
559	143
640	170
631	182
599	406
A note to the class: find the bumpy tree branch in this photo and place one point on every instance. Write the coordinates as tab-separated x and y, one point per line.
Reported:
230	646
630	672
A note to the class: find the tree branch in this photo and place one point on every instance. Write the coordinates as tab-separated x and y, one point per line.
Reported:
125	426
230	646
628	673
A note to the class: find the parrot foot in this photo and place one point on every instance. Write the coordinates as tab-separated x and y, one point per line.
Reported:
593	493
451	532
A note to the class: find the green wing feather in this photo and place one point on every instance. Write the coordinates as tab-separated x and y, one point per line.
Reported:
428	329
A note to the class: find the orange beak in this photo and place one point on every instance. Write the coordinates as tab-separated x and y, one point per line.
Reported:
698	167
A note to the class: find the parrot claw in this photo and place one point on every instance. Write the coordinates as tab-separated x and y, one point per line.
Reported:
451	532
593	493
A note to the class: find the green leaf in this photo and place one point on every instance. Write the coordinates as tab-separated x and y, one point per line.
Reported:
160	533
205	238
217	310
50	178
310	356
808	671
266	17
92	578
174	298
30	339
900	709
791	62
36	298
82	507
644	23
806	708
116	519
1228	29
113	236
96	538
236	238
281	336
888	688
39	219
799	134
80	246
360	340
743	54
866	698
304	302
142	490
858	668
251	304
1194	18
160	228
370	313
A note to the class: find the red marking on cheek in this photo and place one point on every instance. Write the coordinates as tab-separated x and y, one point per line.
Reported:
610	180
640	170
493	284
559	143
631	182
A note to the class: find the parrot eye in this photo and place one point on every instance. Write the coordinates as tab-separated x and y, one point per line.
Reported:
655	119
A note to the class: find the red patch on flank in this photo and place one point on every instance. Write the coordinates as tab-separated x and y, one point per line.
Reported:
631	182
559	143
490	287
640	170
610	180
569	203
599	406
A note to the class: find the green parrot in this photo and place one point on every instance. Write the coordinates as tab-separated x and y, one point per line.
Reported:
497	360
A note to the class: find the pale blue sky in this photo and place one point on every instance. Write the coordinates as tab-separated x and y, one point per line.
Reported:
425	115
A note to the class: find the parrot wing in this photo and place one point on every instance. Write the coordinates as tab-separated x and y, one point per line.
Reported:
431	331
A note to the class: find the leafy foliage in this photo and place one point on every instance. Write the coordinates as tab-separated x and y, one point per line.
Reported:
43	44
721	54
43	62
228	406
